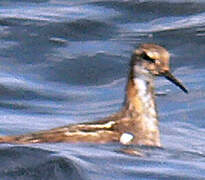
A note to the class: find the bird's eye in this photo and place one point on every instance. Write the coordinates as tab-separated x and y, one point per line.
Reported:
145	56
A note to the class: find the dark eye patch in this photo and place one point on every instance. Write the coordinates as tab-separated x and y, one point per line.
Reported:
146	57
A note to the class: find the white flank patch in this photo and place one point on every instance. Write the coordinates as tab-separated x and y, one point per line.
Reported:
126	138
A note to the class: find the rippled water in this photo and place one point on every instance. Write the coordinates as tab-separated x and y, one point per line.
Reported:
66	62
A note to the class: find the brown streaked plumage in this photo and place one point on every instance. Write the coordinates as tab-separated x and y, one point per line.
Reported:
136	123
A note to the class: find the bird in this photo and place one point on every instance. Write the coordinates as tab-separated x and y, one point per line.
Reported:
135	124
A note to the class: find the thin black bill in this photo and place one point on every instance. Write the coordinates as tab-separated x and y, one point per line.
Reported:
171	78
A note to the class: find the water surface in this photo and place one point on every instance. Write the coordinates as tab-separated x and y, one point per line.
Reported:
66	62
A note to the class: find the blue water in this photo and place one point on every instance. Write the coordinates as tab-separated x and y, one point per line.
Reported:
65	62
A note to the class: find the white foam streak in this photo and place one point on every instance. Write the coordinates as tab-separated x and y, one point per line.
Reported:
164	24
53	13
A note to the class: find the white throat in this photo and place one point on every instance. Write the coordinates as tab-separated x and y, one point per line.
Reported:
143	82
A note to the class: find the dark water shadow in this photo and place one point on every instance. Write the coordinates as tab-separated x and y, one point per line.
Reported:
25	163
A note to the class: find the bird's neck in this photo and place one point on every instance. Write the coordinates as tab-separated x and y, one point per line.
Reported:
140	104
